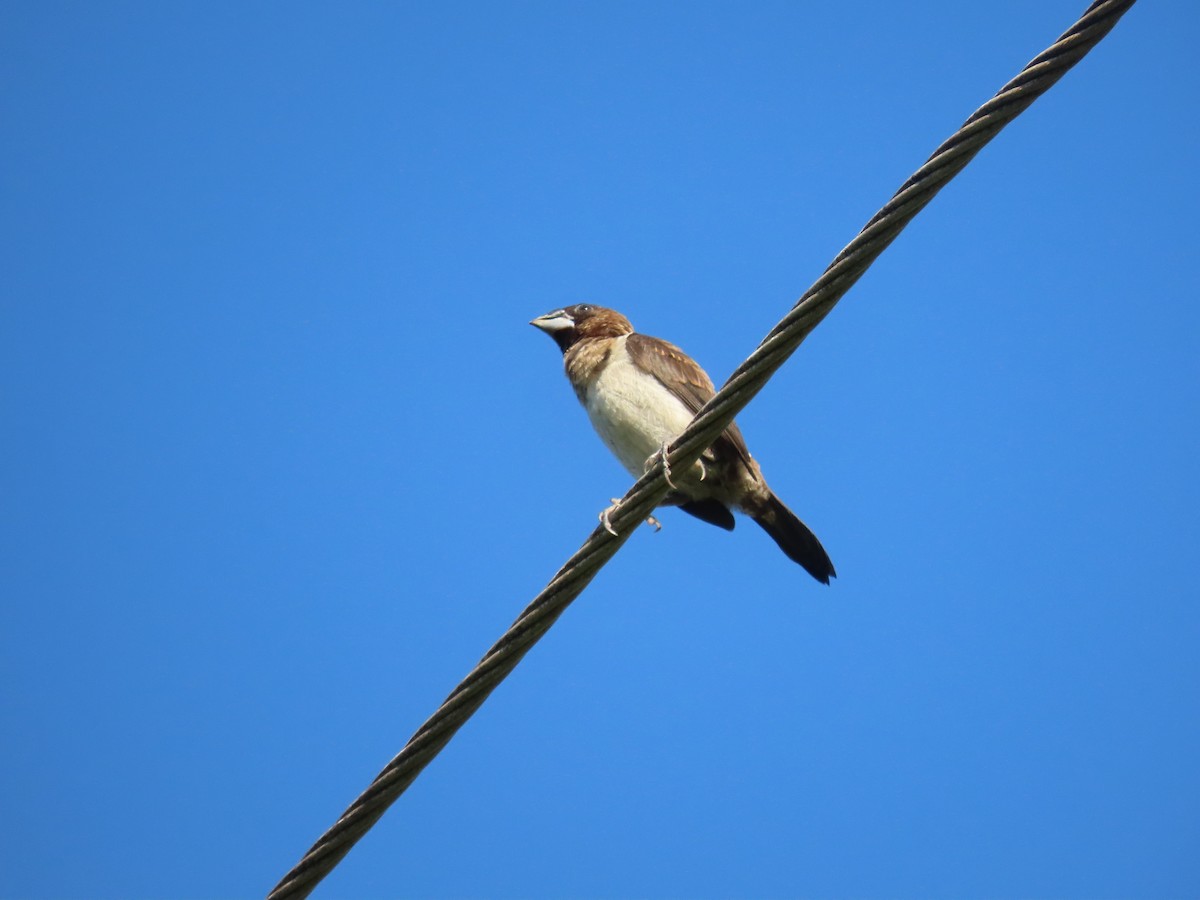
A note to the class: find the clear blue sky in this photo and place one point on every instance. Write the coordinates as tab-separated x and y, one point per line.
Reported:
282	456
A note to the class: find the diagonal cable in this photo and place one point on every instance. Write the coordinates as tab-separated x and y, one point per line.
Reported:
946	162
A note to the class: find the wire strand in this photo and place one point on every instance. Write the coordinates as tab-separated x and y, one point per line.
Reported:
746	381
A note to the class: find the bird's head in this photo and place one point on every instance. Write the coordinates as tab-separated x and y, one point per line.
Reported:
582	321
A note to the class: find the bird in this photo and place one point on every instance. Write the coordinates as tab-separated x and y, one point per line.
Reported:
640	392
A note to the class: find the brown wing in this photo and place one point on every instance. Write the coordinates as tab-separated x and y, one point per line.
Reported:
680	374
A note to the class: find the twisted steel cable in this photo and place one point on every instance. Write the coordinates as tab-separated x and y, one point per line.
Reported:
946	162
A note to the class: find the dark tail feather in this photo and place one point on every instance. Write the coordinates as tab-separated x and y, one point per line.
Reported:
713	512
794	538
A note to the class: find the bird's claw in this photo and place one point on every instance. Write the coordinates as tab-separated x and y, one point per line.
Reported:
616	504
661	453
608	511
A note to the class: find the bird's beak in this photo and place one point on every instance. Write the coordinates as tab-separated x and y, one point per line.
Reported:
553	321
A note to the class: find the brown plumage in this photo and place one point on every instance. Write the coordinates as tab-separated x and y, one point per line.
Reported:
640	392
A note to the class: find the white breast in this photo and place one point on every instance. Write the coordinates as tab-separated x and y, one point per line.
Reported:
631	410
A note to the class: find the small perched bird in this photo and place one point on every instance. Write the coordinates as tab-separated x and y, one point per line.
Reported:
640	392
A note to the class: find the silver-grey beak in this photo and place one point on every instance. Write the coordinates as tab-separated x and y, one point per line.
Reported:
553	321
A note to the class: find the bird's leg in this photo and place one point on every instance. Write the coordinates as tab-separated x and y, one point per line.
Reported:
654	523
661	453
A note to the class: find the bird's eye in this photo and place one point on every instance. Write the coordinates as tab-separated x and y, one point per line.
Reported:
584	307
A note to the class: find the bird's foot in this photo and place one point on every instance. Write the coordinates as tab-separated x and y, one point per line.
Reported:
608	511
661	453
616	504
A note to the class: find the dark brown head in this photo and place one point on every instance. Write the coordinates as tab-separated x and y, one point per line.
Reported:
580	322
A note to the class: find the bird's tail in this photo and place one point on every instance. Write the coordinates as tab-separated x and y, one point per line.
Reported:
793	537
